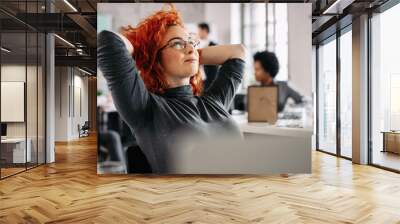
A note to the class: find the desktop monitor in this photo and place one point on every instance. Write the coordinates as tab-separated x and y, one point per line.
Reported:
3	129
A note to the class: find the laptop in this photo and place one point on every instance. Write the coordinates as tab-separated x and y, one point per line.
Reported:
262	104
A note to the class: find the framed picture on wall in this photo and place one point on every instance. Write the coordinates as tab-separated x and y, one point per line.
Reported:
12	101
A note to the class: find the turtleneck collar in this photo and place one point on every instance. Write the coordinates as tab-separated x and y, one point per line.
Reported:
180	91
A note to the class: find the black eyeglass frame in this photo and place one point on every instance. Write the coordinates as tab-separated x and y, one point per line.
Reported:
191	38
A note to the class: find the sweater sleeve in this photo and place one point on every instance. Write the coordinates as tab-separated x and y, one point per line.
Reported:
130	96
295	95
226	84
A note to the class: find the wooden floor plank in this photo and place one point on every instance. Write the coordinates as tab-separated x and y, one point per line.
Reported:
70	191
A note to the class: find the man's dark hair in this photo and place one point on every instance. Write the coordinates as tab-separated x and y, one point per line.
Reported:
204	26
268	61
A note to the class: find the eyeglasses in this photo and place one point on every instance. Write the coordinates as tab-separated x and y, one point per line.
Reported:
180	44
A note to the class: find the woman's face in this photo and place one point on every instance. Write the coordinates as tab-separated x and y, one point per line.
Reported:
178	62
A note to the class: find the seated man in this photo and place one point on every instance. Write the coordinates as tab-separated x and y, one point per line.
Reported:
266	67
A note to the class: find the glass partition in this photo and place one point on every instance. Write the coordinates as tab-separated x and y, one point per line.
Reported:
385	89
22	88
327	96
346	94
13	96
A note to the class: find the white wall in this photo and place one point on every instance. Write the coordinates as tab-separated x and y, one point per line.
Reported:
67	115
300	47
218	16
14	72
85	99
235	23
33	126
80	84
61	103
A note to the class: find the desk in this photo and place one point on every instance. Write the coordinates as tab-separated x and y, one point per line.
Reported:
266	149
267	129
13	150
291	146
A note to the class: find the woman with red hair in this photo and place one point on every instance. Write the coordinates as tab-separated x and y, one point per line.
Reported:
152	71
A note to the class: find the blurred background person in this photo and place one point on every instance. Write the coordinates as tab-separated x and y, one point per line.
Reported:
266	67
209	71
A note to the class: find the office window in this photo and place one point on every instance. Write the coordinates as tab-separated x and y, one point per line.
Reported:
254	36
327	96
346	94
265	27
385	89
278	37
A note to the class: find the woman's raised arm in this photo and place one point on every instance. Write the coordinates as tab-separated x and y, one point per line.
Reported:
217	55
230	74
114	58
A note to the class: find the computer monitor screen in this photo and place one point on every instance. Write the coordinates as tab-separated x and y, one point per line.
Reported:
3	129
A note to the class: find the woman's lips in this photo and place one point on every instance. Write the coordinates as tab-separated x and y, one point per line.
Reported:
190	60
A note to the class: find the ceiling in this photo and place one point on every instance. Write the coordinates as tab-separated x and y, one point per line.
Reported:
331	15
72	20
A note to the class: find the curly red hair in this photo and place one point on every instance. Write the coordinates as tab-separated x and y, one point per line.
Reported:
146	39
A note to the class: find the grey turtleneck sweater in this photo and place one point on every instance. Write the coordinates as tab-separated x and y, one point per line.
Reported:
158	121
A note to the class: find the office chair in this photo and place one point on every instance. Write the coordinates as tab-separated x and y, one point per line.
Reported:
111	152
136	161
84	130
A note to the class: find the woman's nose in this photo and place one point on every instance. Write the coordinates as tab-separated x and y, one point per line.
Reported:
189	48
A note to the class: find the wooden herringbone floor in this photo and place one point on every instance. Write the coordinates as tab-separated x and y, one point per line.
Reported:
70	191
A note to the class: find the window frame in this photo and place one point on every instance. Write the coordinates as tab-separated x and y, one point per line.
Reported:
333	37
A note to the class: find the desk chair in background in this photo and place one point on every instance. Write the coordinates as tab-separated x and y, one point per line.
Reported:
133	157
84	130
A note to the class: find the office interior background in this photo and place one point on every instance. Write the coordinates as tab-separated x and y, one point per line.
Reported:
48	86
48	82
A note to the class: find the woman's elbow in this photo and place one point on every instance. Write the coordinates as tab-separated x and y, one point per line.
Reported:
240	51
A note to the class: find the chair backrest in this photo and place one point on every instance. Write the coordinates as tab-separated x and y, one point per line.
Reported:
86	124
114	121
